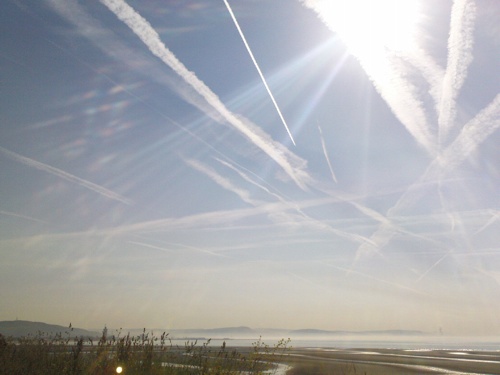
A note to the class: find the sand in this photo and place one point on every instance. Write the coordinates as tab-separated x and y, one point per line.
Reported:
391	361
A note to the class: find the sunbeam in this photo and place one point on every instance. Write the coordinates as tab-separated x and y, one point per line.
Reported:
147	181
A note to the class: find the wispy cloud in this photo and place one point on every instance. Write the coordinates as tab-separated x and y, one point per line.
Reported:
460	44
290	163
66	176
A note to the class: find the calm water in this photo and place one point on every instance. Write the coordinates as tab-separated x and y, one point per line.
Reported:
410	343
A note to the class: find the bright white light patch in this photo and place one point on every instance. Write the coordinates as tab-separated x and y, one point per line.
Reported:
369	25
119	370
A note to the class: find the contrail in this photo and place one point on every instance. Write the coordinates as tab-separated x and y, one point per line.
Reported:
222	181
402	96
258	69
326	155
208	219
472	135
109	44
495	216
387	72
430	70
166	250
151	39
66	176
433	266
13	214
362	274
247	178
460	43
292	207
281	212
278	195
389	222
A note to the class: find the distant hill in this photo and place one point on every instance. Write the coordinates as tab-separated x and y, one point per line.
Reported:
198	333
22	328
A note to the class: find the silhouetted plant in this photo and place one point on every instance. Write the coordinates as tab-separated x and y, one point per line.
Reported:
143	354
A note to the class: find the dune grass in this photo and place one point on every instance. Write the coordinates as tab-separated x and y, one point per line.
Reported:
142	354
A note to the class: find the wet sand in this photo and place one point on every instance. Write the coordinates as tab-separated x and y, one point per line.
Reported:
308	361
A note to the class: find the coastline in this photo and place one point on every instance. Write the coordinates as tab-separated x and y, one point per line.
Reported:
305	361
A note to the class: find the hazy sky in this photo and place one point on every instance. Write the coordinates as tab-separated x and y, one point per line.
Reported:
149	178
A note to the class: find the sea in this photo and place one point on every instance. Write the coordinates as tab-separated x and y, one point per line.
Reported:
356	342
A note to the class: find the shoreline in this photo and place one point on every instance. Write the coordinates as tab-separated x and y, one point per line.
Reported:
305	361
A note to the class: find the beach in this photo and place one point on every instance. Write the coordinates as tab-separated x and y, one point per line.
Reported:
391	361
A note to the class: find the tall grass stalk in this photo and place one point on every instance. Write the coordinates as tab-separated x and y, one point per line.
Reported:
141	354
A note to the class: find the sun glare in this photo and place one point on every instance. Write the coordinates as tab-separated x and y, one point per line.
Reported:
370	25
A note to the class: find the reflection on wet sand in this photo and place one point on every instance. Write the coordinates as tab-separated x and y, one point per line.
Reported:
392	361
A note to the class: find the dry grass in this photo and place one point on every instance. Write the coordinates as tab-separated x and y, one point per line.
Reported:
142	354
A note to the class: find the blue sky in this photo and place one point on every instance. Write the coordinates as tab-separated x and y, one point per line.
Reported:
148	179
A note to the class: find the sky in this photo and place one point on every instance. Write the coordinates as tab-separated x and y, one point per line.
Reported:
287	163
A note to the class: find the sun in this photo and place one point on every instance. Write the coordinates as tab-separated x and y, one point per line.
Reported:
369	26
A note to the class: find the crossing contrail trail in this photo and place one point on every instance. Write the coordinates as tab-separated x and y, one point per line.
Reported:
258	69
66	176
387	71
472	135
291	164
